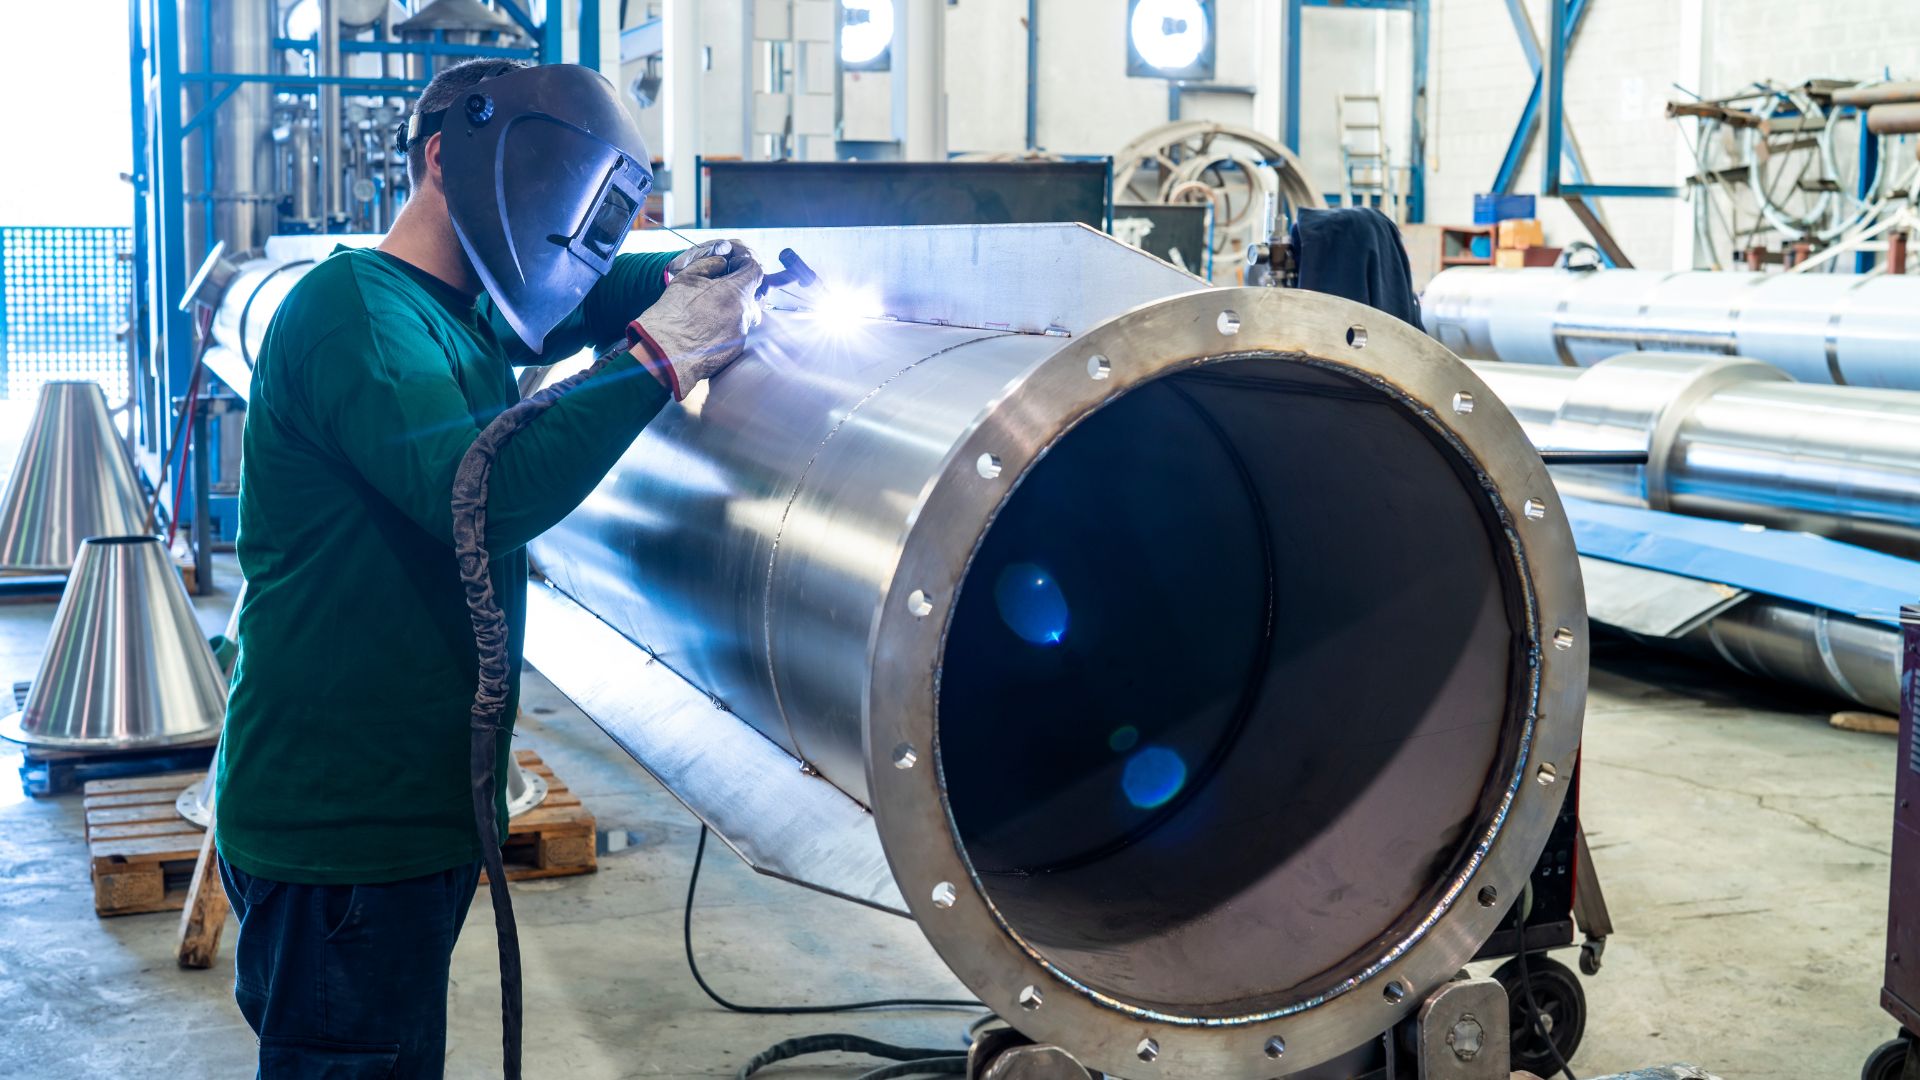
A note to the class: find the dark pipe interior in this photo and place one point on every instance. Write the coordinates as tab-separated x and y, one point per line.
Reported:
1227	684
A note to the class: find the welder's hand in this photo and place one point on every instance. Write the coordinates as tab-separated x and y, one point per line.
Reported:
732	255
699	325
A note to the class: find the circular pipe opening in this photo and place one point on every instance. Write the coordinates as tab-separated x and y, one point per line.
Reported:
1226	691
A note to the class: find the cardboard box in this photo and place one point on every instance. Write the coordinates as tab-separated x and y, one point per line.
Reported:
1510	258
1521	233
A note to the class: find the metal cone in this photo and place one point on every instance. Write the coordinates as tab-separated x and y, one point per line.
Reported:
71	481
525	790
126	666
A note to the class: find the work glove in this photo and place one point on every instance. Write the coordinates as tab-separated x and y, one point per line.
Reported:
699	325
735	252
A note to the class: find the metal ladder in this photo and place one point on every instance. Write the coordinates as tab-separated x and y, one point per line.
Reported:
1365	160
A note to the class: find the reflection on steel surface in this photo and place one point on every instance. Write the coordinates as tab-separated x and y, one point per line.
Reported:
1838	328
126	666
71	481
1734	439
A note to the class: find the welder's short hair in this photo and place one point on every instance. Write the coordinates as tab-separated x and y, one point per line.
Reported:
446	90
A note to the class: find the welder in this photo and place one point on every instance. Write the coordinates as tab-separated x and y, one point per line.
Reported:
345	816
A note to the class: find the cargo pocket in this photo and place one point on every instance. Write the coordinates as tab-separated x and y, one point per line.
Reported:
317	1059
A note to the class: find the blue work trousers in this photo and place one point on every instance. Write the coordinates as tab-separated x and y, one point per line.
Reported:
347	982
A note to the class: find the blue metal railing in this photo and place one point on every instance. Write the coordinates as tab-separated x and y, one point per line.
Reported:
64	294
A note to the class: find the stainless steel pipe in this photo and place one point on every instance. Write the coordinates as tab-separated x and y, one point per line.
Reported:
1138	638
1731	438
1827	328
1108	626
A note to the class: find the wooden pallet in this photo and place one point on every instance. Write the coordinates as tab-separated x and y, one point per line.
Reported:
142	852
44	773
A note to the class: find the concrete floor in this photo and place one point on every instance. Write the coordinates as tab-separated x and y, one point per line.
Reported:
1741	841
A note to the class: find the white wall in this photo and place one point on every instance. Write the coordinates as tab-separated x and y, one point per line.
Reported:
1620	76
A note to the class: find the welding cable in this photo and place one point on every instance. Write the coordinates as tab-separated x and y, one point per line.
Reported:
908	1060
693	966
495	668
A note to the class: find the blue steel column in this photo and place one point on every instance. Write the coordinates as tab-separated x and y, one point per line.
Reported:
1555	69
1869	161
1417	128
140	419
169	210
1033	74
589	32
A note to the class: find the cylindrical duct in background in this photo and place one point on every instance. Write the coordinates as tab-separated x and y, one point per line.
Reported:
1731	438
1837	328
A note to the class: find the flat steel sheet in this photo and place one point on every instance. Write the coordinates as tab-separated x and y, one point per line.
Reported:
779	820
1649	602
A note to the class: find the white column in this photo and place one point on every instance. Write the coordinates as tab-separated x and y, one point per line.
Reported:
1691	74
919	79
680	104
610	41
1270	76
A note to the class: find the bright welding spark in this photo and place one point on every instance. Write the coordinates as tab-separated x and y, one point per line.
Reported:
842	310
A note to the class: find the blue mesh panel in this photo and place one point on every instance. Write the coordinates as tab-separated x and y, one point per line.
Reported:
66	291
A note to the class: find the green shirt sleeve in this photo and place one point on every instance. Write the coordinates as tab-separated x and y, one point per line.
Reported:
630	286
384	397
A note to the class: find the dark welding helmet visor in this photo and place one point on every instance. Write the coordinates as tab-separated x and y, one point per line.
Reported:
545	171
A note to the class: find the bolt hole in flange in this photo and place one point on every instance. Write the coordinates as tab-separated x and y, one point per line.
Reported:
1140	682
1357	337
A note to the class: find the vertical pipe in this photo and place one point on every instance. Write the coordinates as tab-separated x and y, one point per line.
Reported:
202	505
1869	162
1292	47
1417	131
589	49
332	172
680	119
1555	61
138	400
1033	74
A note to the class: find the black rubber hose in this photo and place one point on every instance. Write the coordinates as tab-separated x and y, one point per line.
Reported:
495	670
921	1058
693	966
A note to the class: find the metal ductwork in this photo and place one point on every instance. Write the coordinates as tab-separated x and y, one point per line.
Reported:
1134	632
71	480
1818	328
1735	439
1108	626
1731	438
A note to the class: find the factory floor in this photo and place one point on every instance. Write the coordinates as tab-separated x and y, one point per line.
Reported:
1742	843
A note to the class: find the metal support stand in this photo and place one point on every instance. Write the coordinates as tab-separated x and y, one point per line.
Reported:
202	534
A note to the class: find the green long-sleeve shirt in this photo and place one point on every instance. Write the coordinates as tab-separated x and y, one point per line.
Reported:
345	754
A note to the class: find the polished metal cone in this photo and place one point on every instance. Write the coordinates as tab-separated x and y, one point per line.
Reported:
525	790
71	481
126	667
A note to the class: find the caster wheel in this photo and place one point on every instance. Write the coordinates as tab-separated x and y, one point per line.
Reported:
1589	959
1888	1061
1563	1013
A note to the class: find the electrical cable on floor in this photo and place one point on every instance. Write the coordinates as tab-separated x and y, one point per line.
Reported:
693	966
907	1060
1536	1019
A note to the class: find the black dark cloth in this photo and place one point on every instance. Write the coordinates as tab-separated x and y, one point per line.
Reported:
1356	253
347	982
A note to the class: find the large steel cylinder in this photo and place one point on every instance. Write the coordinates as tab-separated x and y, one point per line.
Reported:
1731	438
1828	328
1210	671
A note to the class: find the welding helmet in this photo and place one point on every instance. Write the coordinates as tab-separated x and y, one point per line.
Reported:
545	171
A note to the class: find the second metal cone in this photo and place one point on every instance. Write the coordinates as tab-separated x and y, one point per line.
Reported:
71	481
127	666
